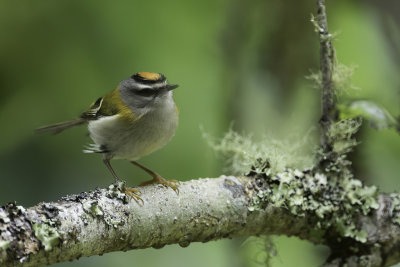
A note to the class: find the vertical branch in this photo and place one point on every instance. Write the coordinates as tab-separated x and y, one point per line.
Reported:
326	67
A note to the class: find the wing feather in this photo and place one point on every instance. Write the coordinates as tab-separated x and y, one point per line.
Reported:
109	105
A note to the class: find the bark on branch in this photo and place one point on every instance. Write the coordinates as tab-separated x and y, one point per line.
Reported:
326	68
207	209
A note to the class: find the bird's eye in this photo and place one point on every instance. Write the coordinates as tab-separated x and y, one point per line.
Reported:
146	92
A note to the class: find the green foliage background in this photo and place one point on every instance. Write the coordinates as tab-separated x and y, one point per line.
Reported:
56	57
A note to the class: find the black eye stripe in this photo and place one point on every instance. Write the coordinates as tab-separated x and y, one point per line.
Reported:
145	92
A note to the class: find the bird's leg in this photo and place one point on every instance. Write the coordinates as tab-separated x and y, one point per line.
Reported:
108	164
132	192
158	178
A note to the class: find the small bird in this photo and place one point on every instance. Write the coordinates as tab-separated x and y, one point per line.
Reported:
138	117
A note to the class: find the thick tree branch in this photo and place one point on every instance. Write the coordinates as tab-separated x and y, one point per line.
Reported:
106	220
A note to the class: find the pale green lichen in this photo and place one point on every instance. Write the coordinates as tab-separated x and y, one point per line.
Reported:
48	235
328	190
350	230
4	244
341	135
92	207
341	78
242	154
337	201
320	31
331	192
116	191
364	196
50	222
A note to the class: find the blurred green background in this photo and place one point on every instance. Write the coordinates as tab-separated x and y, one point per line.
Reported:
235	60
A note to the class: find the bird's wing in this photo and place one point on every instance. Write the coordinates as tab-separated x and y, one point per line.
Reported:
102	107
97	110
109	105
93	112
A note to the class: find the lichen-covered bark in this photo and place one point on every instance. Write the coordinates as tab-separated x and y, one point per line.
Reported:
107	220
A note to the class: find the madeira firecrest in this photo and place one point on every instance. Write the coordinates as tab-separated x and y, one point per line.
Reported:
135	119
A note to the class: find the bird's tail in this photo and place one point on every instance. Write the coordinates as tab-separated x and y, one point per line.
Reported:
59	127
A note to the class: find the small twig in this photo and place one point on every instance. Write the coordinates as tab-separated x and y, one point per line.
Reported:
326	68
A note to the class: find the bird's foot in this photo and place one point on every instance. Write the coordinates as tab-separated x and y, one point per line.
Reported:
173	184
132	192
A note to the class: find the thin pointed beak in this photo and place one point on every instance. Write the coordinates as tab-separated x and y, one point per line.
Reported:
172	87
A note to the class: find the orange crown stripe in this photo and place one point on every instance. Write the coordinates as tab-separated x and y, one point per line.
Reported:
149	76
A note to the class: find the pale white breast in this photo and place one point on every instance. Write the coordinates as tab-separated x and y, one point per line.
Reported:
132	141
